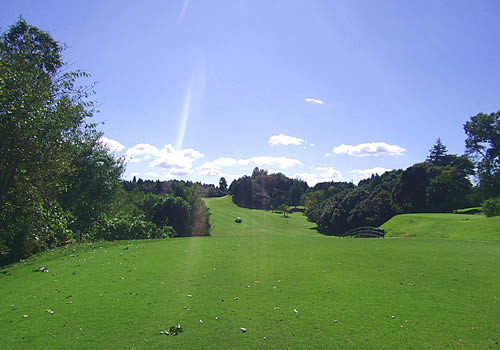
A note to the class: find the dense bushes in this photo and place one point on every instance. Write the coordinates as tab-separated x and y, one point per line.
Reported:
124	226
423	187
371	203
491	207
181	210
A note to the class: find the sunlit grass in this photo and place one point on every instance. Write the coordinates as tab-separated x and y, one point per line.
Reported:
348	293
449	226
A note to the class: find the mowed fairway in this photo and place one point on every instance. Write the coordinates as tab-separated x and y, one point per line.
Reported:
390	293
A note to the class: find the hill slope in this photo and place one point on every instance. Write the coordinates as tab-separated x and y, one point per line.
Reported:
449	226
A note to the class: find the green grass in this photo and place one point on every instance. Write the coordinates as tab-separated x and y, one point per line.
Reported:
448	226
346	291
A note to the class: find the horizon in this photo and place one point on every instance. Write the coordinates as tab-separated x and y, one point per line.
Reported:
321	91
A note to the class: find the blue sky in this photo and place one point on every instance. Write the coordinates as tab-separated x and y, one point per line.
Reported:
321	90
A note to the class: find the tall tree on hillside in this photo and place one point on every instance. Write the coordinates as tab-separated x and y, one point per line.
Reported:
437	154
223	185
45	143
483	145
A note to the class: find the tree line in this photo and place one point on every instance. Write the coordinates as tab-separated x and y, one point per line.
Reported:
267	191
442	183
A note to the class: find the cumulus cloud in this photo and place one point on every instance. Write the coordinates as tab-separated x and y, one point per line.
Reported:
370	149
314	100
173	162
284	140
211	172
140	152
218	163
177	161
112	145
214	168
324	175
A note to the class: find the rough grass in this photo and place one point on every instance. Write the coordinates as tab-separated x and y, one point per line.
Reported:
442	293
448	226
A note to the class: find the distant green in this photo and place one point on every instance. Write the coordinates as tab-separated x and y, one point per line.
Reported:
474	227
349	293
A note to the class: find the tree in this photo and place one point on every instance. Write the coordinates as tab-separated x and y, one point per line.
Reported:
285	209
45	144
223	185
295	193
483	145
437	153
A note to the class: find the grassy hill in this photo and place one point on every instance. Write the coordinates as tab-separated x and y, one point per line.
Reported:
349	293
449	226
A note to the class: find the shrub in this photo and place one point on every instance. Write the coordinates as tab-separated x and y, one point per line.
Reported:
491	207
124	226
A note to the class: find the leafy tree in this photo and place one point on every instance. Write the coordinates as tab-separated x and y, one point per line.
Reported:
43	136
491	207
483	145
223	185
93	182
284	209
411	190
313	198
437	153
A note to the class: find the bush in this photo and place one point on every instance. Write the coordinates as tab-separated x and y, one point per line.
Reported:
124	226
491	207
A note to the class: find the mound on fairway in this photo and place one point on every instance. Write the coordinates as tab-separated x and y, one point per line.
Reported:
449	226
285	284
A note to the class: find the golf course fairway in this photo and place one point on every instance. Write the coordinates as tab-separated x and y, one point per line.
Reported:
269	282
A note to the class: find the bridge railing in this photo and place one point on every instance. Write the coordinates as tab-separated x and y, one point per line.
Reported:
365	232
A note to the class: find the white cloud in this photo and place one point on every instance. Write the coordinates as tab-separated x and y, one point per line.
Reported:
370	149
327	155
173	162
213	168
112	145
312	144
140	152
324	175
361	174
211	172
179	161
314	100
175	172
218	163
282	162
284	140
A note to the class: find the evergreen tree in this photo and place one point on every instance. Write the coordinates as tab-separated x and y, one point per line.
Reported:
437	154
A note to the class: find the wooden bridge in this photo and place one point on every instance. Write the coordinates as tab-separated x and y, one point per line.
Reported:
365	232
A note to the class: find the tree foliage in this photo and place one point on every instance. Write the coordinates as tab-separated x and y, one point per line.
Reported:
437	153
483	145
491	207
267	191
47	147
180	211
